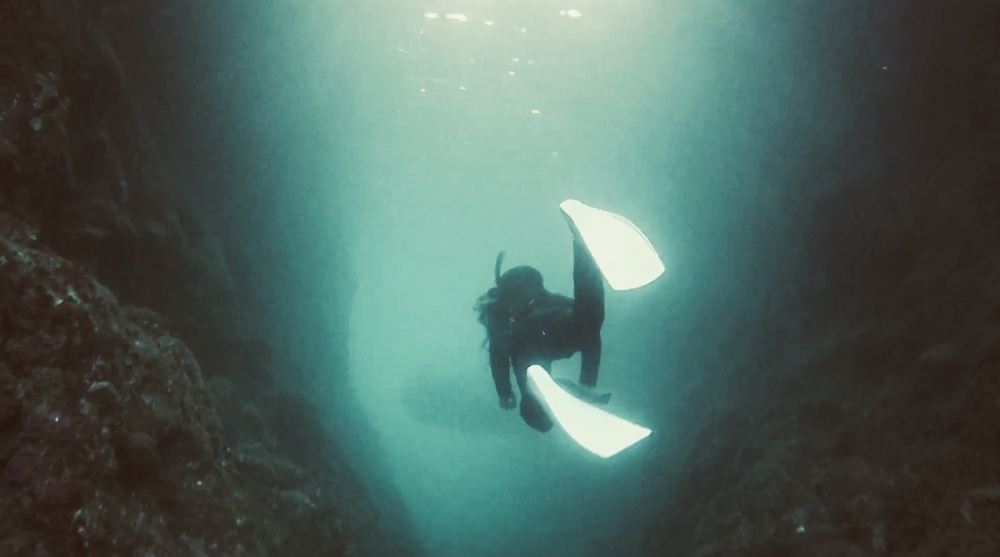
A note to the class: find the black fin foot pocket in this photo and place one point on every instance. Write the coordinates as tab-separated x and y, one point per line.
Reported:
585	394
534	415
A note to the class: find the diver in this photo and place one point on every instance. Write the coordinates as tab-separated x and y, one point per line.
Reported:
527	325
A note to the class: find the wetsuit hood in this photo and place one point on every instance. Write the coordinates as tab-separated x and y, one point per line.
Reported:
523	279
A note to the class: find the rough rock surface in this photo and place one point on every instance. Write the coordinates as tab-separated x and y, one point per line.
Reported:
107	423
115	438
870	423
110	443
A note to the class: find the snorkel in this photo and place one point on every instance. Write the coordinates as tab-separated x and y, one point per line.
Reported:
497	266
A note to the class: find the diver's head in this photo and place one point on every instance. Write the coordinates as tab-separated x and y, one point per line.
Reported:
515	292
520	287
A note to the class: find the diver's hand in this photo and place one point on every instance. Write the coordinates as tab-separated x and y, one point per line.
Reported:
508	402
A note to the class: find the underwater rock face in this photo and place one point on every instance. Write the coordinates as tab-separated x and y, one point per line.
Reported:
110	443
874	430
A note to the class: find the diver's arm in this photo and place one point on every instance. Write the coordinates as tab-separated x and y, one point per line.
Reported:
500	365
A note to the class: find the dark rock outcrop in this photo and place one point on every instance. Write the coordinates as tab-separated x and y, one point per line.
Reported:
110	442
874	429
140	411
114	446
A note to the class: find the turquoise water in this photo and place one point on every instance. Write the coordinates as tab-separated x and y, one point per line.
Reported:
395	147
691	120
791	160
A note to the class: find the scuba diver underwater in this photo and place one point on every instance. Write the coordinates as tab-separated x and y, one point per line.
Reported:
528	328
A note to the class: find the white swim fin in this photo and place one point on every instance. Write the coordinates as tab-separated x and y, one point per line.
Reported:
624	255
594	429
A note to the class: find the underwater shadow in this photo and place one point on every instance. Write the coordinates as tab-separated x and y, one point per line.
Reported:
454	403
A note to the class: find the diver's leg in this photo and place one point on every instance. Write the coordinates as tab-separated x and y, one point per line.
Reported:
590	359
588	288
588	310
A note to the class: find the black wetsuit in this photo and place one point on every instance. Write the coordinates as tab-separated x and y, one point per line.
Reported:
556	328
